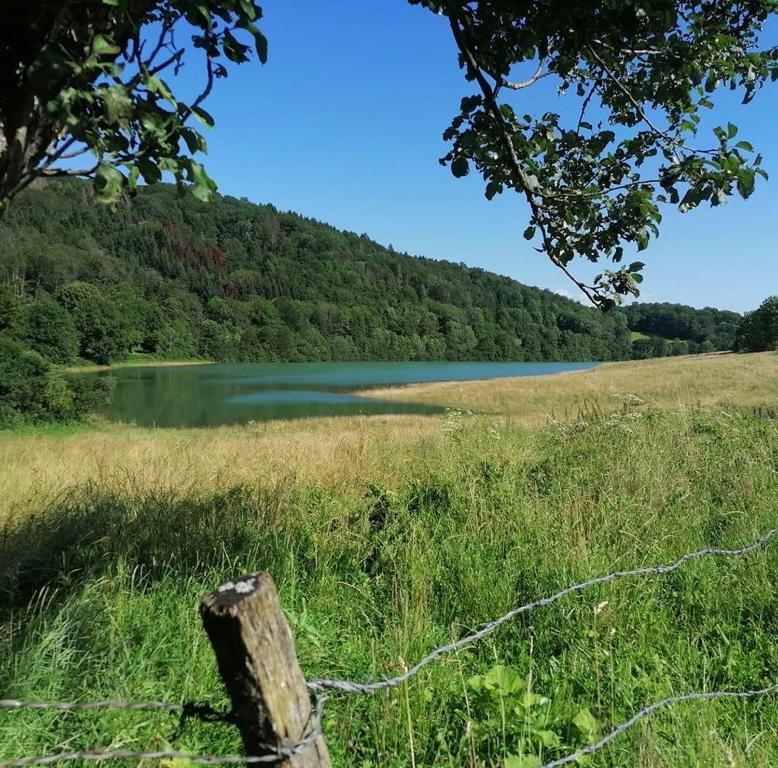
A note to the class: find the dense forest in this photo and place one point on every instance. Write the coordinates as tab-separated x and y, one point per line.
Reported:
230	280
758	330
661	329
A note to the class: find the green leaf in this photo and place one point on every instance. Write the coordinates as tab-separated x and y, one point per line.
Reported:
150	171
586	724
132	179
156	85
102	46
505	679
260	42
529	232
108	182
460	167
202	184
493	188
249	9
194	141
690	200
117	103
547	738
745	183
203	117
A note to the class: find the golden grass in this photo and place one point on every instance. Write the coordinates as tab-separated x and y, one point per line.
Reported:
137	362
346	452
744	380
39	467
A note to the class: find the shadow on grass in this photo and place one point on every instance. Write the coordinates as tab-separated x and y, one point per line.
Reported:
83	537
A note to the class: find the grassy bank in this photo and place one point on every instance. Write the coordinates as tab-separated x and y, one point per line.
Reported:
716	379
388	536
134	360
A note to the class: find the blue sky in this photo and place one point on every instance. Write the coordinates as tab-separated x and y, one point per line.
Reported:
344	124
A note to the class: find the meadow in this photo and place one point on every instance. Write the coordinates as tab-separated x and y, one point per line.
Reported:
390	535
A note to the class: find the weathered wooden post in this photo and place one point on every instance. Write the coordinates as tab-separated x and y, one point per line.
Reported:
256	657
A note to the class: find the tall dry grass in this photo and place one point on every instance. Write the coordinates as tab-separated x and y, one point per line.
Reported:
717	379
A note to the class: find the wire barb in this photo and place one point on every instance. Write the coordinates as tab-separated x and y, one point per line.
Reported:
351	686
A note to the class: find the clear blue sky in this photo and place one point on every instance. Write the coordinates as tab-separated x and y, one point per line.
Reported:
344	124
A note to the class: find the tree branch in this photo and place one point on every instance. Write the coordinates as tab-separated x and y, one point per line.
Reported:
539	75
521	177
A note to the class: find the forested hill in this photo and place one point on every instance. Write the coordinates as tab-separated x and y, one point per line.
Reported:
679	329
231	280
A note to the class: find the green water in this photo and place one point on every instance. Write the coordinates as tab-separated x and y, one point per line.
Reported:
233	393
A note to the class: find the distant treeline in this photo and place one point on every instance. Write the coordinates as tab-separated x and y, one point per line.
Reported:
675	329
231	280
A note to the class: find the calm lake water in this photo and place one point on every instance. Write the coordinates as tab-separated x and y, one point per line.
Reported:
232	393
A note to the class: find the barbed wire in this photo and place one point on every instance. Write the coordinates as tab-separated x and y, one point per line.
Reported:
67	706
273	754
650	709
351	686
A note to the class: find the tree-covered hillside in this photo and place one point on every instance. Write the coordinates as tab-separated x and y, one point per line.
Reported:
231	280
676	329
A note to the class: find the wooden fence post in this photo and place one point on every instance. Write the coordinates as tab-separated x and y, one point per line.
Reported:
256	657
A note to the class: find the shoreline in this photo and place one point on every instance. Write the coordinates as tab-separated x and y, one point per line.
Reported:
95	367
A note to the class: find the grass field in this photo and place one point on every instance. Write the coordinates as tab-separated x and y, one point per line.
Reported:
390	535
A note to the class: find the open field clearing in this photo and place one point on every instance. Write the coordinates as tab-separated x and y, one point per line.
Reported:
36	466
388	536
719	379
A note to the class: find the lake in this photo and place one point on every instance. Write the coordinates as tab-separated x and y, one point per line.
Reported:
234	393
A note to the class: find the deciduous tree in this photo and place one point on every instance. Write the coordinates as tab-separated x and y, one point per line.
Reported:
641	74
89	79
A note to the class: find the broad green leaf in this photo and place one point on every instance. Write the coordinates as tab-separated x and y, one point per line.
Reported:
156	85
203	117
202	185
260	41
505	679
249	9
460	167
102	46
547	738
194	141
586	724
108	182
117	103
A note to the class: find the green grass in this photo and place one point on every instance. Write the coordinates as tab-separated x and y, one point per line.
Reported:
99	594
635	335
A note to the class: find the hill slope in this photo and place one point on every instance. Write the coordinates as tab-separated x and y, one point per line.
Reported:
660	328
231	280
